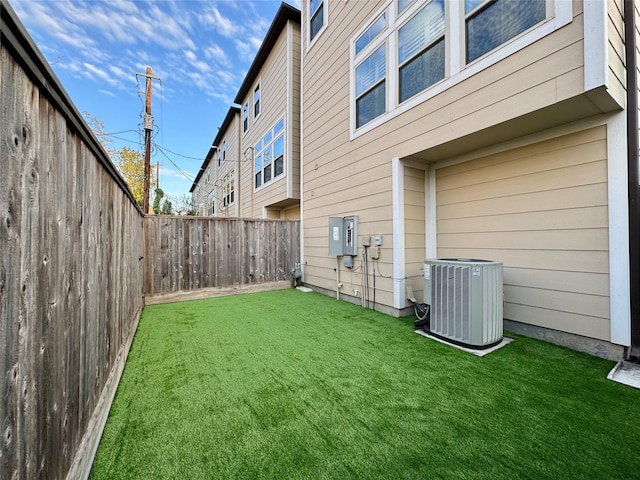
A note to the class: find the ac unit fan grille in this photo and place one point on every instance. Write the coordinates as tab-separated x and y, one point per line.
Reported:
466	300
450	291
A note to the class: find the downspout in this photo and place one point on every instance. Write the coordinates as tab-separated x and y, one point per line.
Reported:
633	178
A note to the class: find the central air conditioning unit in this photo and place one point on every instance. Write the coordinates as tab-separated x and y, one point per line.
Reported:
466	299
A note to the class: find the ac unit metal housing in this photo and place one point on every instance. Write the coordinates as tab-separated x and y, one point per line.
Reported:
466	299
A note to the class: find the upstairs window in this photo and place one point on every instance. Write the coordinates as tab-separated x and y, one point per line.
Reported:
228	189
316	17
421	52
211	204
402	4
256	101
411	50
245	118
208	174
371	87
371	33
269	160
490	23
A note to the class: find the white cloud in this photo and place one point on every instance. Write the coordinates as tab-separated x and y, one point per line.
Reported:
171	172
248	48
217	54
223	25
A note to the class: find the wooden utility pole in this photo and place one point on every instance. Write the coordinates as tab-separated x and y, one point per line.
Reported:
148	128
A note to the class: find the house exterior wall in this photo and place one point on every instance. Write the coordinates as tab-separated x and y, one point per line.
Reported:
541	209
615	50
497	104
280	100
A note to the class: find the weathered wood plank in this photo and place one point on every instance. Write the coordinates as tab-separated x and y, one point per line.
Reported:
202	252
70	278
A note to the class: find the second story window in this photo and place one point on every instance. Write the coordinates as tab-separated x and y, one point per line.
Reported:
402	4
421	52
371	87
269	160
245	118
412	50
371	33
211	204
490	23
256	101
228	189
316	17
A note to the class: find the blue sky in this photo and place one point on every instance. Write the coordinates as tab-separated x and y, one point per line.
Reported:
200	50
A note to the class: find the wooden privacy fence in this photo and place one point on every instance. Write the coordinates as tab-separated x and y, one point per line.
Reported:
71	240
188	253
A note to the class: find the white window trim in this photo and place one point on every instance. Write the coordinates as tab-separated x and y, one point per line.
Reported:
245	130
283	175
258	85
227	180
325	22
211	197
455	69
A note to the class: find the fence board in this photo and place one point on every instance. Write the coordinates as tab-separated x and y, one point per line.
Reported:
70	278
208	252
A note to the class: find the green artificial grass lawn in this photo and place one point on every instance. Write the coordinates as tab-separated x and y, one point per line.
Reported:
288	384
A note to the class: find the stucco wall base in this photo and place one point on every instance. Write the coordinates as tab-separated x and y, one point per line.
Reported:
592	346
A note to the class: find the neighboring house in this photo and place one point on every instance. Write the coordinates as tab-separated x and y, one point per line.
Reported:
256	154
214	188
471	129
269	100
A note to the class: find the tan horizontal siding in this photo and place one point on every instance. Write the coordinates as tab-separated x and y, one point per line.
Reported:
496	208
576	282
588	326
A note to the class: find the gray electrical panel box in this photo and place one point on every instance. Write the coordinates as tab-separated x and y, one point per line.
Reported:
343	236
350	235
336	236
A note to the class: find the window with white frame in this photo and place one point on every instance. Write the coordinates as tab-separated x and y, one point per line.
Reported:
371	33
256	101
211	203
421	52
245	118
228	189
269	155
222	153
316	17
402	4
413	49
371	86
490	23
208	174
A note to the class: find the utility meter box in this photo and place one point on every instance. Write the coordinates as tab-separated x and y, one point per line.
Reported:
336	236
343	236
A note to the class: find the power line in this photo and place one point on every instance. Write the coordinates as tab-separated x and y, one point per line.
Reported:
183	172
181	155
123	131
